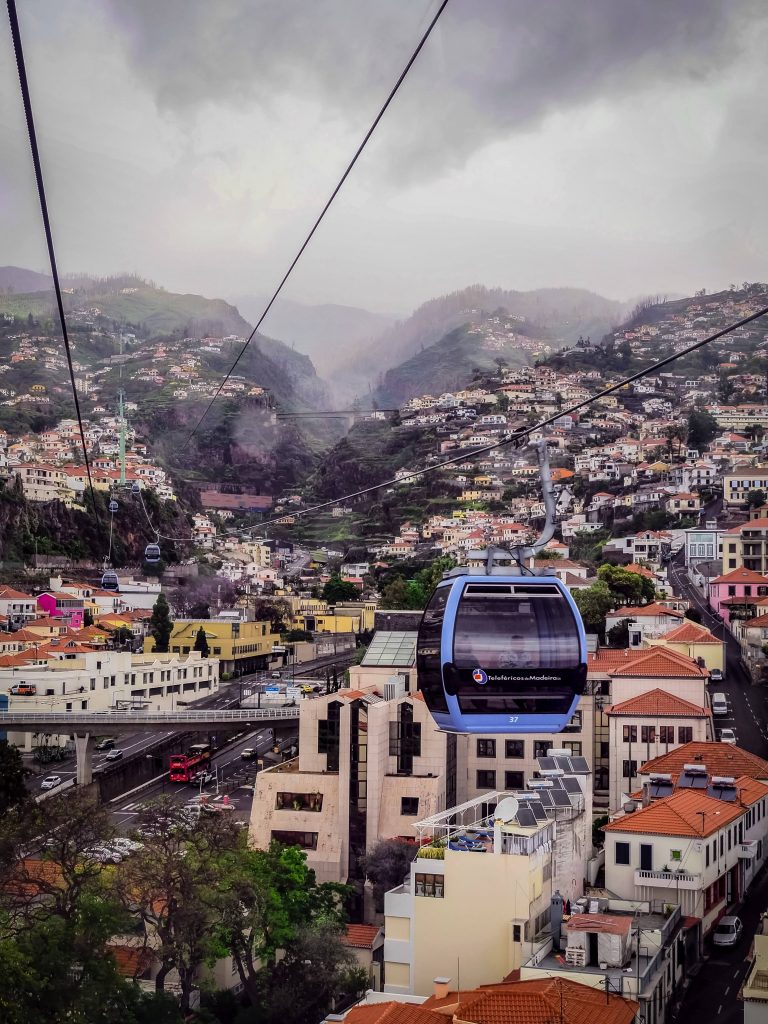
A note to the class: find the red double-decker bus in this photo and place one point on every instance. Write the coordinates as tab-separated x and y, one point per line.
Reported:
186	767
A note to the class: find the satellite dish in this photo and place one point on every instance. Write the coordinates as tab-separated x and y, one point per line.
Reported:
506	809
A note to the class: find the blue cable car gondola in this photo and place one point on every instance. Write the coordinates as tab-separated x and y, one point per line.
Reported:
135	487
501	654
113	506
152	553
109	580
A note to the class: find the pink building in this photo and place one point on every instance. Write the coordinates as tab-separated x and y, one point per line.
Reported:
62	606
738	593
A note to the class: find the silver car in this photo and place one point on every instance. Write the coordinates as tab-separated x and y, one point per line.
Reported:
50	782
728	931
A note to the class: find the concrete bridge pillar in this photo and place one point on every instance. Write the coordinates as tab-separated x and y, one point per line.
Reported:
84	744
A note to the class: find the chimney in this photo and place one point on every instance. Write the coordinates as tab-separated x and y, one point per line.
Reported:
646	793
556	918
442	987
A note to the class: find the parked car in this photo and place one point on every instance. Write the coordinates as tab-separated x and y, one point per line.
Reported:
50	782
249	754
715	676
124	846
105	744
728	931
114	755
728	736
206	777
103	855
23	690
719	704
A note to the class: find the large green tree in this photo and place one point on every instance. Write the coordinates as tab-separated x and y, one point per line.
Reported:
594	603
337	589
702	427
626	587
402	594
12	772
160	625
201	643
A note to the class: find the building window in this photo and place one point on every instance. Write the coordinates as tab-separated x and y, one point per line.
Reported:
540	747
486	748
486	780
605	749
306	840
514	780
684	733
514	748
629	734
409	806
666	734
648	733
405	739
299	802
429	885
629	769
573	747
328	731
706	851
621	853
676	855
517	933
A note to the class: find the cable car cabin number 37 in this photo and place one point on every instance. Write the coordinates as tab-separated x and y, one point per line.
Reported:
500	654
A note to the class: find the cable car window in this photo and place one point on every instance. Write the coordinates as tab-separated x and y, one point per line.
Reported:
526	631
428	658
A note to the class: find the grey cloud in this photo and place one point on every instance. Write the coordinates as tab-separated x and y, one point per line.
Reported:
491	68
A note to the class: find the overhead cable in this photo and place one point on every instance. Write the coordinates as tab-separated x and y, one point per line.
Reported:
22	71
316	225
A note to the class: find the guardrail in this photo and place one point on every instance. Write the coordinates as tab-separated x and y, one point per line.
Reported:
8	719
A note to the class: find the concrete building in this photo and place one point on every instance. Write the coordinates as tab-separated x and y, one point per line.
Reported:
484	908
646	726
696	642
746	546
646	622
737	593
239	645
17	607
754	991
738	483
71	677
371	763
698	848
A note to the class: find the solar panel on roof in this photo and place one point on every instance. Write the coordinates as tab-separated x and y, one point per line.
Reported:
556	783
545	799
661	789
525	817
580	765
726	793
688	780
538	811
560	798
563	763
571	785
546	763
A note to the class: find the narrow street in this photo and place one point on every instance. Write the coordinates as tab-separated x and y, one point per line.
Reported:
748	704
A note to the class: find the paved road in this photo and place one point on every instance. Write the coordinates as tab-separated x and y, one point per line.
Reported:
235	777
747	704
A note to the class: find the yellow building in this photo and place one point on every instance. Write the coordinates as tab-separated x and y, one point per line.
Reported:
694	641
481	909
240	646
345	617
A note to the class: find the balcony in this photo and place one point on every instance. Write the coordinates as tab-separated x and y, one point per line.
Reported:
675	880
747	850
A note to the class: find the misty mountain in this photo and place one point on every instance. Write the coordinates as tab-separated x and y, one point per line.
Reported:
564	313
329	334
17	279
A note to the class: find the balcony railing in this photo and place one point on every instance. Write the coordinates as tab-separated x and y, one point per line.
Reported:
748	850
668	879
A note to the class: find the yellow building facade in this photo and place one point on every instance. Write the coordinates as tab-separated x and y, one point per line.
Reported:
240	646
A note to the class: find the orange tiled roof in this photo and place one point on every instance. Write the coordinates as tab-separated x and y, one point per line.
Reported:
131	961
741	576
658	702
691	632
608	924
393	1013
361	936
9	594
649	661
687	812
758	620
719	758
639	570
546	1000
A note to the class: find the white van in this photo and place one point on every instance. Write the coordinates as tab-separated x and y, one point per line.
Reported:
719	704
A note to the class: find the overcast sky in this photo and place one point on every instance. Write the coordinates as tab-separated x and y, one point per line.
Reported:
616	145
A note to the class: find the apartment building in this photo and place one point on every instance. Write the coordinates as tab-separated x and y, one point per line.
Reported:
371	763
645	622
17	607
739	482
647	726
754	990
239	645
510	762
696	642
484	907
691	848
44	483
72	677
737	593
746	546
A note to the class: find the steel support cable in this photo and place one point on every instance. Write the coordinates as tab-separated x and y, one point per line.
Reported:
23	83
318	221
